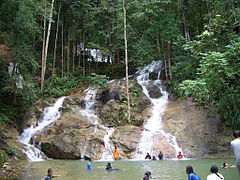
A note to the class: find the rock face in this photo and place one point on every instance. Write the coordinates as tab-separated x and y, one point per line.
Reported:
113	107
197	132
79	133
126	138
154	91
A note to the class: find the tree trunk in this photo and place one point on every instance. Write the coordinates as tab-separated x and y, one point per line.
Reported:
46	46
83	55
169	61
116	37
73	58
184	23
55	47
126	59
62	52
43	49
165	62
69	44
158	45
79	55
68	50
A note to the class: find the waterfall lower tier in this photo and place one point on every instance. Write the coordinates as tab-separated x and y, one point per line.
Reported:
108	153
50	115
89	113
159	98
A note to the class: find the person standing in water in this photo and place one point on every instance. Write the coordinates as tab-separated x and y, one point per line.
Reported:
236	147
215	175
154	158
160	155
179	156
115	153
191	174
89	164
50	175
148	156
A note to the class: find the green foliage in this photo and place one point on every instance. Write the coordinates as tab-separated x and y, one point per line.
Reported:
99	81
4	119
11	151
3	157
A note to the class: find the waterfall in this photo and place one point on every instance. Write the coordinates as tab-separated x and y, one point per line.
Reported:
108	153
90	98
154	124
50	115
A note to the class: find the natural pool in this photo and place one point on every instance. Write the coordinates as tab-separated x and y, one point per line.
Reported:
129	170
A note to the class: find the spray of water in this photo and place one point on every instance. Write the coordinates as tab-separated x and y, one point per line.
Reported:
50	115
90	100
154	124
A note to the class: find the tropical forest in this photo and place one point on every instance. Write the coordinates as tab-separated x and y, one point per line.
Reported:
85	83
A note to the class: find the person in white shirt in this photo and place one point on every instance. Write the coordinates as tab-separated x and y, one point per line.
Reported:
215	175
236	147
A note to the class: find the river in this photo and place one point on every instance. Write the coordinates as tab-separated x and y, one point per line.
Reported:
129	170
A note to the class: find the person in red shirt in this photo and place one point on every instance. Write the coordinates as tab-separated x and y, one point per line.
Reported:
179	156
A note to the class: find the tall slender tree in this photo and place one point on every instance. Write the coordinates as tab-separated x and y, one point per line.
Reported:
55	46
46	47
126	59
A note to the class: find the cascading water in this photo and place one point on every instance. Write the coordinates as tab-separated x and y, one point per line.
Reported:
154	124
50	115
90	114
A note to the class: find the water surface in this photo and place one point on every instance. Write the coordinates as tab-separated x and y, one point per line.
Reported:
129	170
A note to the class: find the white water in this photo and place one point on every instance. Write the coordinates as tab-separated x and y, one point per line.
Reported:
50	115
92	118
11	70
154	124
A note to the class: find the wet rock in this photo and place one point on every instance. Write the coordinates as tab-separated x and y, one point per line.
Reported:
127	138
197	131
72	137
153	76
154	91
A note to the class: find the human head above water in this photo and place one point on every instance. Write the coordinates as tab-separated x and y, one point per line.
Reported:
214	169
50	171
189	169
148	173
236	133
225	164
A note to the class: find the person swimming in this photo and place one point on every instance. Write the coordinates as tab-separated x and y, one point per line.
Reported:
226	165
109	167
147	175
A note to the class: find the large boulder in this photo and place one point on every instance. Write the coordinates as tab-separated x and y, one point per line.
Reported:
197	131
113	108
127	138
73	136
154	91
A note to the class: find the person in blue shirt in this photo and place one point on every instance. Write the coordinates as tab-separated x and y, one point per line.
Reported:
191	174
89	164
